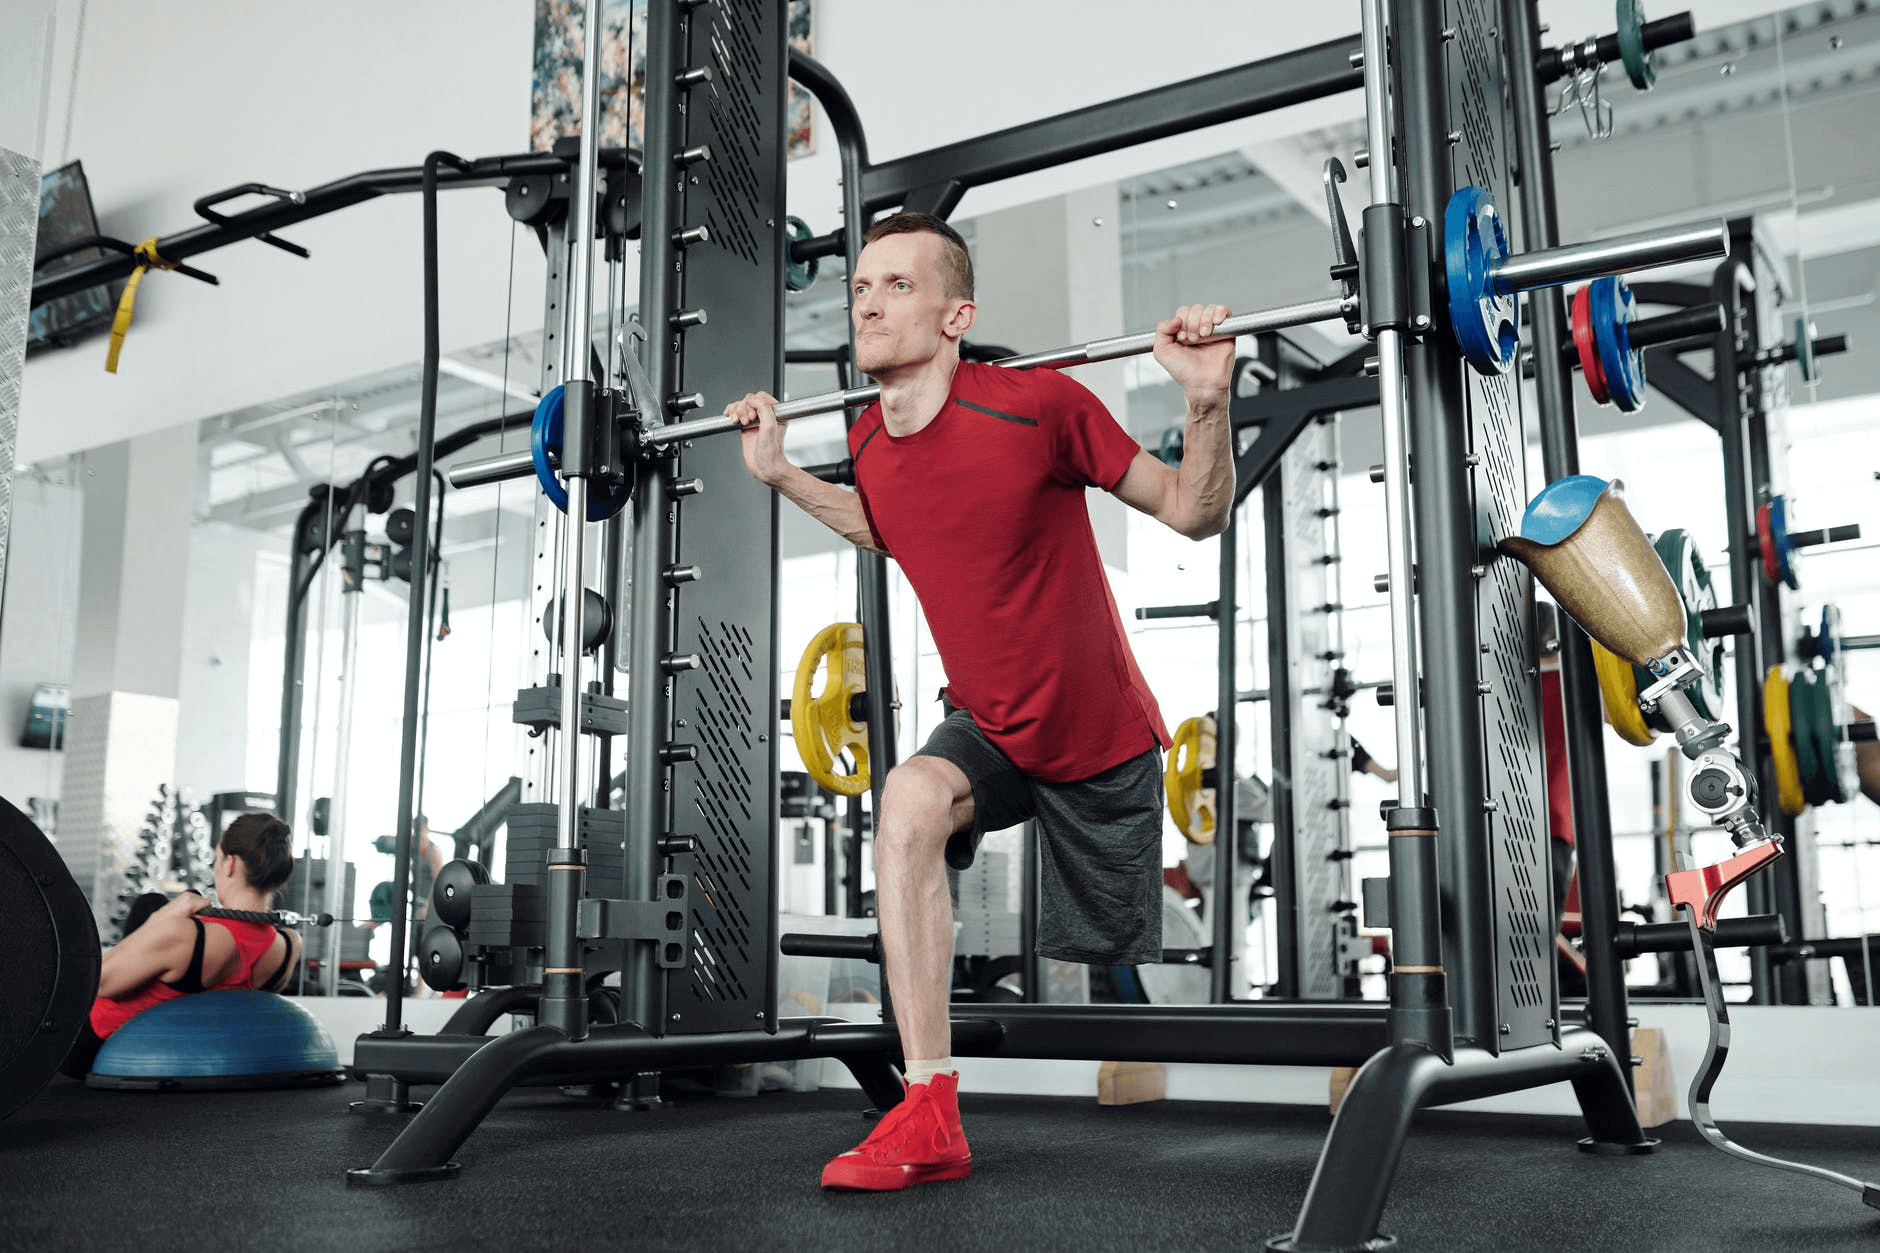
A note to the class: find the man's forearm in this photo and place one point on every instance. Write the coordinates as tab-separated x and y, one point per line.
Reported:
1206	478
836	509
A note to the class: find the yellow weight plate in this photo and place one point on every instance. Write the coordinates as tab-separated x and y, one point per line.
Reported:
1782	742
821	722
1190	804
1618	688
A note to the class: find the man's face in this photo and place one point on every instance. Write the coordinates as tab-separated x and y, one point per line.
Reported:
902	312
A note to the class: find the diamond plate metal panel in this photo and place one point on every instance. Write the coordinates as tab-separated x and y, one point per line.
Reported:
19	235
1319	827
727	798
1514	776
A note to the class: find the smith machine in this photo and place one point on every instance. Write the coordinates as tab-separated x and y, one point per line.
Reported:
691	930
675	893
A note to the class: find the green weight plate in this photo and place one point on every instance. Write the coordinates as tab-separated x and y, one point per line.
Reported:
1843	772
1805	351
797	275
1678	551
1804	717
1638	62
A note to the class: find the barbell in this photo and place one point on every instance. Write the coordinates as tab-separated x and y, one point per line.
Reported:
1483	275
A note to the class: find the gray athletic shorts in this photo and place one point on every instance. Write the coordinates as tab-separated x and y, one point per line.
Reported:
1099	841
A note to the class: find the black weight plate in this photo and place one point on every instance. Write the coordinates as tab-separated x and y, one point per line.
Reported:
450	893
441	959
51	941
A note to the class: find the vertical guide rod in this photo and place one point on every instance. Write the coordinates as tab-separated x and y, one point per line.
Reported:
1223	903
1419	1009
335	903
1398	550
564	999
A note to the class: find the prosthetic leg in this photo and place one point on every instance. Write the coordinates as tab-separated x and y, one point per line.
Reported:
1583	544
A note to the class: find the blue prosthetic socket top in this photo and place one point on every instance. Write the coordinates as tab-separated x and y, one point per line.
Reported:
1561	507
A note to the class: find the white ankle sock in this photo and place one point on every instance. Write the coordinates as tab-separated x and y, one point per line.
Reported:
920	1071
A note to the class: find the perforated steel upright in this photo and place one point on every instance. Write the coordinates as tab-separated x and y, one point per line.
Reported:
702	757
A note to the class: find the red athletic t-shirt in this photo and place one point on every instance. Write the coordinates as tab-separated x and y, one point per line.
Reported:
252	941
984	510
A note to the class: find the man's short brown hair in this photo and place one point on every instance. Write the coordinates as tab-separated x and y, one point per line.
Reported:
265	845
956	264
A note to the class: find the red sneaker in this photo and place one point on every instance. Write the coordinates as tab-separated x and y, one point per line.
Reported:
918	1141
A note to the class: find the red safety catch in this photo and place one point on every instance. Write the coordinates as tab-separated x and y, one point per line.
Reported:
1702	890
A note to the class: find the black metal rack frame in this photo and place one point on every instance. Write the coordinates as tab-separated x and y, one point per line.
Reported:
1408	1066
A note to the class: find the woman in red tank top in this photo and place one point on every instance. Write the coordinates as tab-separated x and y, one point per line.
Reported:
175	953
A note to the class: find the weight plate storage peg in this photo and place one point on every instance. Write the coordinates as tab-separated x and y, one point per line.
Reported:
824	722
1632	51
1483	319
605	498
1782	742
1622	367
1190	804
1587	348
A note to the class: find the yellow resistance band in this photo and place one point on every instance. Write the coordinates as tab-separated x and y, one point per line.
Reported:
147	259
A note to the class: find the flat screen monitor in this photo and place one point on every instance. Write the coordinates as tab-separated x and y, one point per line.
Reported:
65	215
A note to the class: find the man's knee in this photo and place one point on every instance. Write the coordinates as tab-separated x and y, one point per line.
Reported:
918	803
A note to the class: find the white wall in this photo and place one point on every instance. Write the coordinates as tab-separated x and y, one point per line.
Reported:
36	633
218	93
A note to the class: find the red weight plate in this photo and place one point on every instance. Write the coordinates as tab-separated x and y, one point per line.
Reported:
1587	347
1766	544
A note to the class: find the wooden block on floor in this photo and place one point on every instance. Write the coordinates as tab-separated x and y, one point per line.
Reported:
1128	1083
1656	1088
1341	1079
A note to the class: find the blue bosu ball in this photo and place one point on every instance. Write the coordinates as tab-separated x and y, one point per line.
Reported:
228	1039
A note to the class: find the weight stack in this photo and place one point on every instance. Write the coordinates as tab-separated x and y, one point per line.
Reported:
532	836
508	915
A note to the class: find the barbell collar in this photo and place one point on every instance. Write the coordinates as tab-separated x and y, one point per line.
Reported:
1644	250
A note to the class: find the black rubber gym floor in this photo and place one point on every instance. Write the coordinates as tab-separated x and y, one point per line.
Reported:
81	1169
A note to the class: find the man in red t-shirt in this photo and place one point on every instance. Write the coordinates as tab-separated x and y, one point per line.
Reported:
972	478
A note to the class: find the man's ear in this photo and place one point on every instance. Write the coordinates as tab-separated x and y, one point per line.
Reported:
965	312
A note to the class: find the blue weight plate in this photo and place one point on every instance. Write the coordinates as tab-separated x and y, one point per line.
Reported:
1613	310
1483	318
1829	638
545	439
1785	546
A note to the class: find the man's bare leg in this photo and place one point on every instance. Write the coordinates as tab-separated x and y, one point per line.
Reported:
925	801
